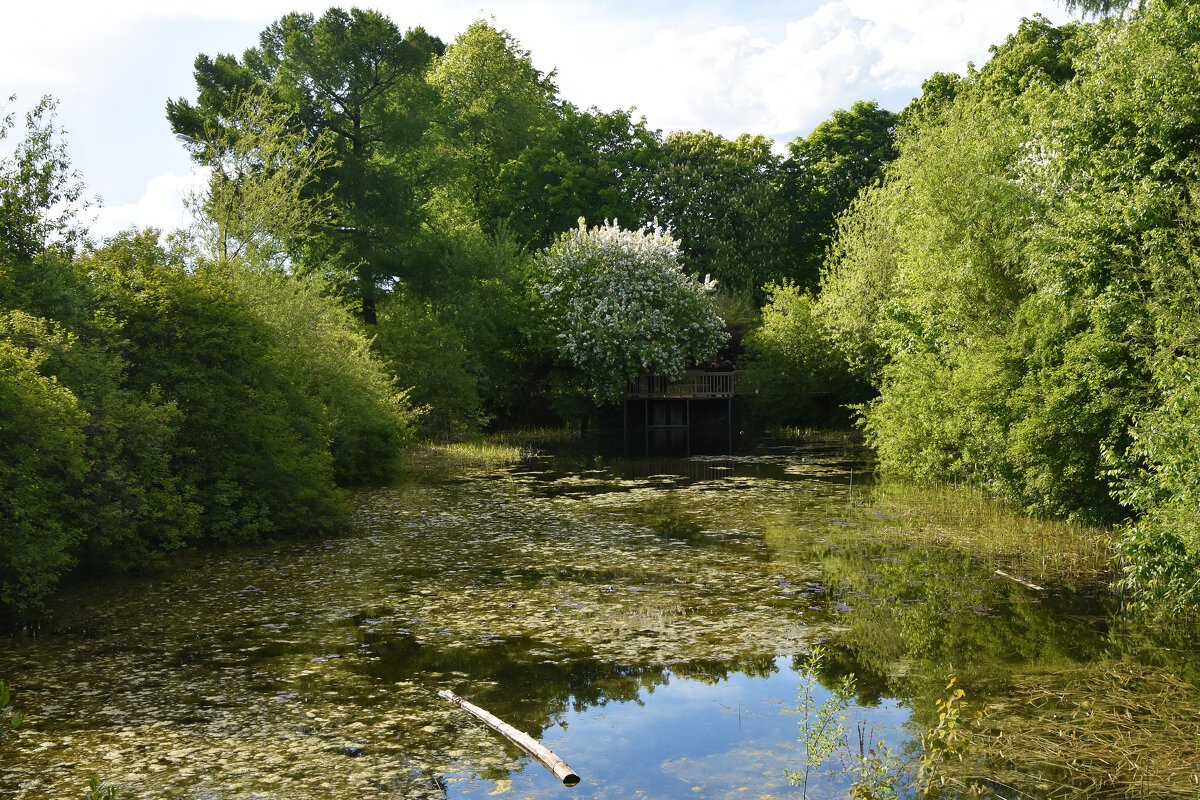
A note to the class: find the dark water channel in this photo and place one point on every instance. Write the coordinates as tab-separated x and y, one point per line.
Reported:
646	620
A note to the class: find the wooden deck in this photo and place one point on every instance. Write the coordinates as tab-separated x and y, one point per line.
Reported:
695	385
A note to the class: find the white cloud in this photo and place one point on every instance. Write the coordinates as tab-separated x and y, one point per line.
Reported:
777	68
160	206
789	74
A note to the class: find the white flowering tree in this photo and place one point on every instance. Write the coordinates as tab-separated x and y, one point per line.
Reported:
619	304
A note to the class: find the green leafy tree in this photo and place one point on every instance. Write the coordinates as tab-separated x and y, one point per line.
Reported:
721	198
986	371
494	106
259	205
39	193
792	362
856	284
618	304
1116	258
1038	53
821	729
355	79
427	352
937	93
43	447
593	164
281	399
824	172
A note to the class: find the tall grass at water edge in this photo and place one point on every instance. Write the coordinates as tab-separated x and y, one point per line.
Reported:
970	521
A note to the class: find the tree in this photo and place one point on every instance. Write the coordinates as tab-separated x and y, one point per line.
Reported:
259	205
38	189
593	164
791	358
494	105
824	172
355	77
42	459
856	283
1098	8
721	198
618	304
281	401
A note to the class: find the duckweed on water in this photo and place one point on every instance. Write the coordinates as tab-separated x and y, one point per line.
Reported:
553	595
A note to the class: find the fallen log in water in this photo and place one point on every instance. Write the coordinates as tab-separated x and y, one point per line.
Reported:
543	756
1021	581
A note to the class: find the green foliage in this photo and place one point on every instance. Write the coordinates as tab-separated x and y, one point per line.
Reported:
821	729
260	206
425	350
619	305
944	746
1038	53
357	84
937	93
947	287
280	397
478	285
791	358
1160	477
876	774
941	418
1022	286
100	791
42	439
825	171
592	164
39	193
494	105
856	283
10	717
721	198
363	418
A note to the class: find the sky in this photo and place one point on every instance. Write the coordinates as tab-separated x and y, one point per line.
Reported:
729	66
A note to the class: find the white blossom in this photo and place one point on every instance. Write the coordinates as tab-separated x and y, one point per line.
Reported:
621	305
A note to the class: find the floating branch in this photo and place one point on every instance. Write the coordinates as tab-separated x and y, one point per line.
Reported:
1021	581
540	754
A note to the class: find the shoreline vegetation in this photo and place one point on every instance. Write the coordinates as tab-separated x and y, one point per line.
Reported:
996	284
995	287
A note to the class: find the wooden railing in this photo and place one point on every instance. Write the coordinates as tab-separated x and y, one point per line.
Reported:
694	383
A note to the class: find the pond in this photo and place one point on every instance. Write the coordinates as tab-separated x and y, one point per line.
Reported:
647	620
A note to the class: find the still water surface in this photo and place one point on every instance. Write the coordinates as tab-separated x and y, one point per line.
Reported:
646	620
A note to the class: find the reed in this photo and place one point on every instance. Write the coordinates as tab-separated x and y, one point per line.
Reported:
479	452
1114	730
795	433
969	520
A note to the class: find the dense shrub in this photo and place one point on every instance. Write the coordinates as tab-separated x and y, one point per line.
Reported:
43	445
279	395
794	371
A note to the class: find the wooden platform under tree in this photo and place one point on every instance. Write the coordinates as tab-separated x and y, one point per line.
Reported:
665	409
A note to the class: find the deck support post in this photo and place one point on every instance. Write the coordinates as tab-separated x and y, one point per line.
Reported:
687	420
624	437
729	420
646	428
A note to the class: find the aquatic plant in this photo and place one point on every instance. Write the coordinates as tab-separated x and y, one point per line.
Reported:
10	718
821	730
877	774
945	741
100	791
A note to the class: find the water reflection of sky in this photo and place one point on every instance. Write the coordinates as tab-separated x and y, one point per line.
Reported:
689	738
640	617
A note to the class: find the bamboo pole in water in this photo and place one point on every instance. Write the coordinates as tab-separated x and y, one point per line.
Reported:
543	756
